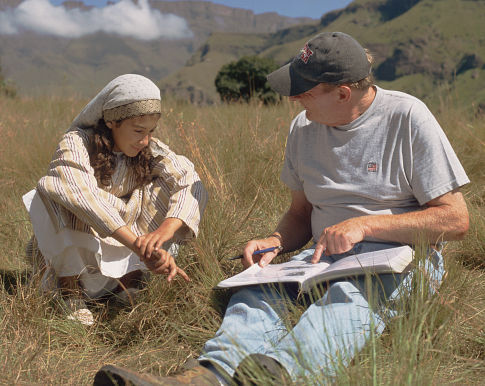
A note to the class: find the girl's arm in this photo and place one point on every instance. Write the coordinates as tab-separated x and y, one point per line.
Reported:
158	261
153	241
188	197
71	183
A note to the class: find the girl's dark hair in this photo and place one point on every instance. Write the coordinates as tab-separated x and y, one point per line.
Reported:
103	160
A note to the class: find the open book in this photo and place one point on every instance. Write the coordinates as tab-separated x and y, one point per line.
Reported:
393	260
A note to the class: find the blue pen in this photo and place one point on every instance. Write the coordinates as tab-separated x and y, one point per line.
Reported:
271	249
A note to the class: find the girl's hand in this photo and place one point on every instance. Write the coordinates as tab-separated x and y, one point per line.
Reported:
152	241
149	247
162	262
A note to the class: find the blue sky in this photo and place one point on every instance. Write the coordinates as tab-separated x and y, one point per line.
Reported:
295	8
138	21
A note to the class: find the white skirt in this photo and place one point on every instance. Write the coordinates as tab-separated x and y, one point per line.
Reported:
97	262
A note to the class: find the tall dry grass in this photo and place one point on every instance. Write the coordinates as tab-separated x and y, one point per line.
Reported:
238	151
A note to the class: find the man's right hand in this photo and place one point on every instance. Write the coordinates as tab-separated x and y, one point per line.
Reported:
256	245
294	229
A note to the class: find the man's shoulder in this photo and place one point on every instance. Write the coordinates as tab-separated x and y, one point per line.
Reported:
300	121
399	99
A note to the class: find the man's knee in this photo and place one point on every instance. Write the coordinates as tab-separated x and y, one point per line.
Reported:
340	292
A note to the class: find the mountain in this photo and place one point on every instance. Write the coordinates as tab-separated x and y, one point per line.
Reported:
430	48
45	64
195	81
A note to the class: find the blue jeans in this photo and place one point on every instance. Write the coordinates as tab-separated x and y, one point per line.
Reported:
330	331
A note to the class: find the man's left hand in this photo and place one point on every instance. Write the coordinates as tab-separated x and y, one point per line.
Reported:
339	238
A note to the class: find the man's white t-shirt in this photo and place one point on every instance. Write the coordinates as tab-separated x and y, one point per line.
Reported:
392	159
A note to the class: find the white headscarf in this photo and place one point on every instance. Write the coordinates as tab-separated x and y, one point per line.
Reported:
123	90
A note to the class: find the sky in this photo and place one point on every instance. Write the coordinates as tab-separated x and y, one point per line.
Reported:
293	8
126	18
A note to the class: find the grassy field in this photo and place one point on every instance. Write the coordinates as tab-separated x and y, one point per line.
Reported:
238	151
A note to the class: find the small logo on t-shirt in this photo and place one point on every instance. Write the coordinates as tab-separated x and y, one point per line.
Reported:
371	167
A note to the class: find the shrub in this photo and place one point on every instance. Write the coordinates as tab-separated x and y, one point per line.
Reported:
245	79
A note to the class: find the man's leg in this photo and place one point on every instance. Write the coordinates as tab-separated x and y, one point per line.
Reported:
252	324
328	333
339	324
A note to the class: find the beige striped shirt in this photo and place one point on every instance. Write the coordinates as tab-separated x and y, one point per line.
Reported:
76	200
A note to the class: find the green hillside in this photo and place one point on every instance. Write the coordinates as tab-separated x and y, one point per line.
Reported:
431	48
195	81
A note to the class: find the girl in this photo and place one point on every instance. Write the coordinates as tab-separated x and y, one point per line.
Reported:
115	201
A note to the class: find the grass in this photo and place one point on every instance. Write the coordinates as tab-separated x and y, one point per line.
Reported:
238	151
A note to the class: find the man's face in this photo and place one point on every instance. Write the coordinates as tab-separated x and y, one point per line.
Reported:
320	104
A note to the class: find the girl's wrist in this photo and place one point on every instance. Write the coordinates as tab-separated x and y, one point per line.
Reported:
169	227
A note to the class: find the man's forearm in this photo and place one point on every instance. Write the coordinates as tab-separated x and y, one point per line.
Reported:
431	225
444	218
295	231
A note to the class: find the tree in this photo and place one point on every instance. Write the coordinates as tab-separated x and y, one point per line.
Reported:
245	79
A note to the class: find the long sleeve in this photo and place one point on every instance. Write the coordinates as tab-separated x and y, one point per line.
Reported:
71	183
187	195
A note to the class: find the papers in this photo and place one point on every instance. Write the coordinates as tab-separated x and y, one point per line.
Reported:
392	260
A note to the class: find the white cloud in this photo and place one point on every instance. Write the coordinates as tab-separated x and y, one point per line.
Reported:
123	18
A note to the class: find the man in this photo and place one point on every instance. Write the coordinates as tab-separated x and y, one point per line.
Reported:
368	169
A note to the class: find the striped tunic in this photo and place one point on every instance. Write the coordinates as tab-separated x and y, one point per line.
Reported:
76	200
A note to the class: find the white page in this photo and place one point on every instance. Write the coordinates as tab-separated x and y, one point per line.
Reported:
393	259
299	271
291	271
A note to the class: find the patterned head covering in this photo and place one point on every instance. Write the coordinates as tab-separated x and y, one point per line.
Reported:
126	96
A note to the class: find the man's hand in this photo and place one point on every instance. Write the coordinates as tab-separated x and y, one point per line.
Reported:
256	245
339	238
162	262
443	218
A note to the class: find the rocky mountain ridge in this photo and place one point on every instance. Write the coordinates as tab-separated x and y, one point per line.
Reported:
430	48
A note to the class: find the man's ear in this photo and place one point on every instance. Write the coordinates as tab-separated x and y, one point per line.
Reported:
344	93
110	124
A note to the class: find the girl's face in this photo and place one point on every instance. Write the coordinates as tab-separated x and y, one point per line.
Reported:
133	134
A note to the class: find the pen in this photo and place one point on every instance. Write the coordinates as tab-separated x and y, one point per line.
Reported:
259	252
